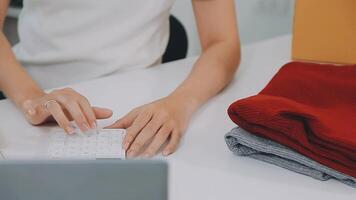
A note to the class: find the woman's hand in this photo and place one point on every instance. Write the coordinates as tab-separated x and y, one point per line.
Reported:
153	125
63	106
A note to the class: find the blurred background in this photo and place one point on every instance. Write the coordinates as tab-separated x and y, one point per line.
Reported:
258	20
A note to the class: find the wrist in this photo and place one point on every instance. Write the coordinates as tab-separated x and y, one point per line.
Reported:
28	95
188	101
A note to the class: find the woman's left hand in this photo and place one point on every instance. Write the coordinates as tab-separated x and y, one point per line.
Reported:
149	127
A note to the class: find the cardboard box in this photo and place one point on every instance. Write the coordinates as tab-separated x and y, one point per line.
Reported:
325	31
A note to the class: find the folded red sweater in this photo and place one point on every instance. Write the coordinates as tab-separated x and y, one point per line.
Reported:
310	108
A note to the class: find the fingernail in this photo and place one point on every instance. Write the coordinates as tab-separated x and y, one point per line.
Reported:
85	127
126	145
131	153
70	130
93	125
165	153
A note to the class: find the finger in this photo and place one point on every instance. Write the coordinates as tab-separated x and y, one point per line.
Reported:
102	113
125	121
56	111
158	141
138	124
88	112
78	116
172	144
143	137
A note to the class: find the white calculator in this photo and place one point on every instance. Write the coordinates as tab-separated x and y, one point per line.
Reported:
105	143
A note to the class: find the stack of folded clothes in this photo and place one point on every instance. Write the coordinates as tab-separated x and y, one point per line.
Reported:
303	120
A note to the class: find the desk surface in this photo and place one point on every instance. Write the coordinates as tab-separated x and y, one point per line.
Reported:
203	168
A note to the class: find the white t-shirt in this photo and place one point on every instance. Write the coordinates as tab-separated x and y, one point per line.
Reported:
68	41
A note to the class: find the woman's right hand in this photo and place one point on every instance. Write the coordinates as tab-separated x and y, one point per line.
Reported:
63	106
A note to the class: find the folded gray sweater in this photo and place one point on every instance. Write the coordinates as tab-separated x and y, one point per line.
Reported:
243	143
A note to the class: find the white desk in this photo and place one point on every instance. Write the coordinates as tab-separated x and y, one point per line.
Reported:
203	168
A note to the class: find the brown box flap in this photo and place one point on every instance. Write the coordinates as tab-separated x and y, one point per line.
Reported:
325	31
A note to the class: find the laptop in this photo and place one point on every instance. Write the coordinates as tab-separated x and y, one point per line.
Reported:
83	180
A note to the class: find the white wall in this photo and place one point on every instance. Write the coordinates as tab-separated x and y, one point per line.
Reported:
258	20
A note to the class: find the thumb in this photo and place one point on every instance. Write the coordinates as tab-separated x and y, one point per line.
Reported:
125	121
115	125
102	113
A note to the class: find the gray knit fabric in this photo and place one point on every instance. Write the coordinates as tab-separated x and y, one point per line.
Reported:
243	143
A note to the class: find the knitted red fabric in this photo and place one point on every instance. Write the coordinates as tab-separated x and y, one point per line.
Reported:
310	108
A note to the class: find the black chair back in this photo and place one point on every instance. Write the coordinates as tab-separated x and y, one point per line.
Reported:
2	96
177	47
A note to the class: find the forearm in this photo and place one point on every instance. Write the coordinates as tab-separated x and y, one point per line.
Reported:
14	80
211	73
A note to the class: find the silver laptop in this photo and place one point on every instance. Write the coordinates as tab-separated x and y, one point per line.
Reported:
83	180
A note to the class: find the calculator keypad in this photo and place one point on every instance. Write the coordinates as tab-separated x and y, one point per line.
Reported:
106	144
